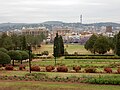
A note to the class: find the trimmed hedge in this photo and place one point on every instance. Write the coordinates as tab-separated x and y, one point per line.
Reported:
113	80
92	57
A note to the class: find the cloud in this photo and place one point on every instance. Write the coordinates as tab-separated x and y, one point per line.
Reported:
66	10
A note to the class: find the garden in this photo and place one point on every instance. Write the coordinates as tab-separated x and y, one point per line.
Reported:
75	69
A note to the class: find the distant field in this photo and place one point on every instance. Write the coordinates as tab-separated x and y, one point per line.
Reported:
32	85
71	48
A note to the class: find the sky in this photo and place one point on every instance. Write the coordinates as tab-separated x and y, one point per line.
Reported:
37	11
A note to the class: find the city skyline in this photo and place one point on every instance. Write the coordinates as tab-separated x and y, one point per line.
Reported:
37	11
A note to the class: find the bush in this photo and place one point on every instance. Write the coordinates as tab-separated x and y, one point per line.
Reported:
108	70
75	53
90	70
92	57
118	70
21	67
49	68
4	58
35	68
76	68
62	69
9	67
3	50
45	53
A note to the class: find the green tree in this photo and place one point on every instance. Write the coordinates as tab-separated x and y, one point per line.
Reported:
14	55
117	51
24	43
24	55
16	41
90	43
101	45
61	45
6	42
4	58
3	50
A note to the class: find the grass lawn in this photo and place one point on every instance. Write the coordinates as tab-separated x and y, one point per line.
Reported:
71	48
24	85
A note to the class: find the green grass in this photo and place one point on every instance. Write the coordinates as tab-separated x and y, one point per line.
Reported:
19	85
83	62
70	49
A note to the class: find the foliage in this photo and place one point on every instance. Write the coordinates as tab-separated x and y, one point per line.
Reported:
35	68
113	80
24	43
50	68
76	68
22	67
62	69
15	55
4	58
6	42
92	57
101	45
90	70
9	67
108	70
58	46
117	51
89	45
24	54
3	50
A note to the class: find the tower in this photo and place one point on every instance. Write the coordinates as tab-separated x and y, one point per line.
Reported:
80	19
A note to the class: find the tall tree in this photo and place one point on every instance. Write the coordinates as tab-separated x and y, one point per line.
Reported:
117	51
61	45
90	43
101	45
56	46
24	43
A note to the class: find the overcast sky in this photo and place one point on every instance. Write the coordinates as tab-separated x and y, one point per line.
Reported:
36	11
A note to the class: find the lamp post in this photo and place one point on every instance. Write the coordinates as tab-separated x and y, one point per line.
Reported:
30	58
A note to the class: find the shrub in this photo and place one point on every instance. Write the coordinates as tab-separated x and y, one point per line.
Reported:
108	70
90	70
75	53
118	70
35	68
4	58
76	68
45	53
62	69
9	67
92	57
21	67
49	68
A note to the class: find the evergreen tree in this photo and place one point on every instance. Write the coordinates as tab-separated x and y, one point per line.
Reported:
90	43
117	44
61	45
56	46
24	43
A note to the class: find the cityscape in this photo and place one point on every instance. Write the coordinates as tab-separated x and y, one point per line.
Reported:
59	45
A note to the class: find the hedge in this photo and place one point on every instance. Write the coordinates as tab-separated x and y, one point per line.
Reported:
92	57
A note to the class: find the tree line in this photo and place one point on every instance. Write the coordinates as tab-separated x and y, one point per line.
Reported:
15	42
102	44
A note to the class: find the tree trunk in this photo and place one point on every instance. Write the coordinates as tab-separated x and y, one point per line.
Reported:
13	62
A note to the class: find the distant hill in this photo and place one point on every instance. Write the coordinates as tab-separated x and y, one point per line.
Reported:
50	24
107	24
53	22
